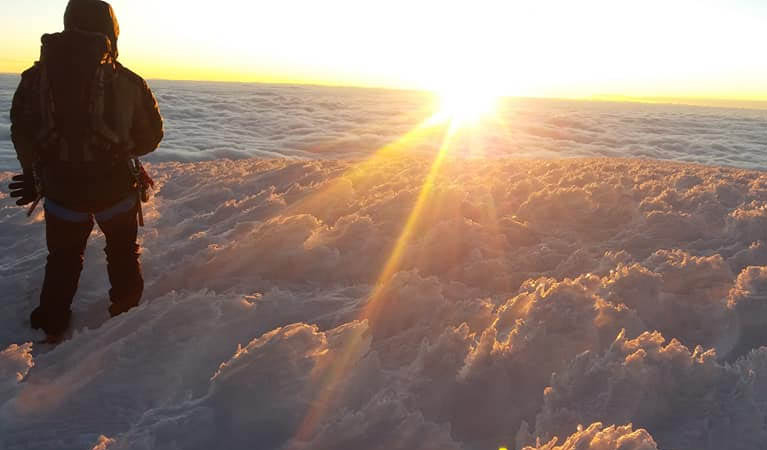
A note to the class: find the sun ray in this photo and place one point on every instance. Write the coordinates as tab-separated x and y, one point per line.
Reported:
333	374
458	110
393	263
422	135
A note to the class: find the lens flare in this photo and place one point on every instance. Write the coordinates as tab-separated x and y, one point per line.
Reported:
466	105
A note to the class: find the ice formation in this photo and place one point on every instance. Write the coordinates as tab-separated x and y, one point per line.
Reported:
597	304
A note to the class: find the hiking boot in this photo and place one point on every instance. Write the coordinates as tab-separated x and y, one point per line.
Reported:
115	309
53	323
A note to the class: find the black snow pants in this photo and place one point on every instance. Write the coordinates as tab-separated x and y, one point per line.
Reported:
67	234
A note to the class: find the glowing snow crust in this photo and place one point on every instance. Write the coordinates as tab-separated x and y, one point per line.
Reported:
532	297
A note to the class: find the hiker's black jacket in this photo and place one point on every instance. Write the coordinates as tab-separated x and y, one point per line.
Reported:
88	186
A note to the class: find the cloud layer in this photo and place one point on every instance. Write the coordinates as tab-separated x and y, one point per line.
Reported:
208	121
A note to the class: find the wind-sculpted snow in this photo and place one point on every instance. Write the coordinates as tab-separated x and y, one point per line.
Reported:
596	437
15	362
209	121
686	398
402	303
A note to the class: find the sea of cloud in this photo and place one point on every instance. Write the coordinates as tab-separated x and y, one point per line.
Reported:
209	121
325	296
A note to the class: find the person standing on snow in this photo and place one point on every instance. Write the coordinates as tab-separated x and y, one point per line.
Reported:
77	121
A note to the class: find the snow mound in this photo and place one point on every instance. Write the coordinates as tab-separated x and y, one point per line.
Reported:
597	437
15	363
686	398
393	303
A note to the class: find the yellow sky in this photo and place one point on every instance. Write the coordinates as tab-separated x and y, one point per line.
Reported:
584	48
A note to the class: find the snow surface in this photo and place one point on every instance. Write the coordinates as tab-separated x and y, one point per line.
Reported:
531	297
337	303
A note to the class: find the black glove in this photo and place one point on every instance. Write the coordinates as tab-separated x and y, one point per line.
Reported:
23	188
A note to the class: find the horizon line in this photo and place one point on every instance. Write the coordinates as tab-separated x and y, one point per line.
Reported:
695	101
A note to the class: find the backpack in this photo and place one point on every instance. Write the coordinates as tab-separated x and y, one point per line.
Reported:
76	67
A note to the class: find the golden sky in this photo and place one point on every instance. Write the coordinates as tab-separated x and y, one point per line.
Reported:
584	48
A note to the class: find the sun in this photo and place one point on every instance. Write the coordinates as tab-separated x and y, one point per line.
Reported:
466	105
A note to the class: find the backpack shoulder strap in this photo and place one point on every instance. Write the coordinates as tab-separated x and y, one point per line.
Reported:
97	107
48	139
